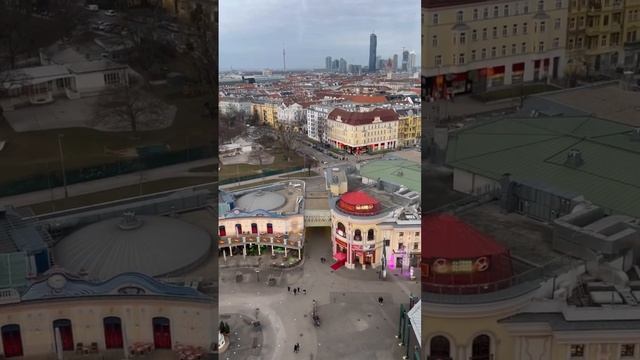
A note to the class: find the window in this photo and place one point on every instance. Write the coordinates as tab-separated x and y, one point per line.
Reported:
415	245
517	11
484	54
581	22
513	49
525	28
484	34
435	19
627	350
504	31
543	26
541	46
557	23
504	50
572	23
515	29
496	12
579	43
495	32
540	5
474	35
473	55
475	14
603	41
459	16
576	351
505	12
556	43
461	59
605	20
434	41
112	78
570	44
454	59
455	38
558	4
438	60
463	38
485	13
493	51
526	8
523	48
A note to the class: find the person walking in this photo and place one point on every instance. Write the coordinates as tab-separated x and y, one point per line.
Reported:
294	291
304	291
289	288
380	300
298	288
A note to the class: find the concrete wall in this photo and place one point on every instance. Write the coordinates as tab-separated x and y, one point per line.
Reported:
469	183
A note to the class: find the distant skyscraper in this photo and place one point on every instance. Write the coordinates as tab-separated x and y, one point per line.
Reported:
405	60
327	63
373	44
412	61
342	66
336	65
395	62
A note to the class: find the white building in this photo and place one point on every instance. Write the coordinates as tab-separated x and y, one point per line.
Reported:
231	105
293	114
317	122
42	84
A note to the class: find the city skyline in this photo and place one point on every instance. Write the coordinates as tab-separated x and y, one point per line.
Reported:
312	31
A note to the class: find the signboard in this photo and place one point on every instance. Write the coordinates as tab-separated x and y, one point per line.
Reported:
460	266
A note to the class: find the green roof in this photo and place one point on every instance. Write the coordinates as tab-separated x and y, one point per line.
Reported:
535	149
13	270
397	171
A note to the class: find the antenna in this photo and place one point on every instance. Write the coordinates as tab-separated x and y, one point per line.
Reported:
284	60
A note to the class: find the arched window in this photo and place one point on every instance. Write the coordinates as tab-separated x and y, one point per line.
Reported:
370	235
340	229
357	235
66	333
161	333
269	228
238	229
481	348
222	231
254	228
11	340
112	332
439	348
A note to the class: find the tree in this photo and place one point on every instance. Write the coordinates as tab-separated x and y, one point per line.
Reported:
286	135
257	155
130	106
204	51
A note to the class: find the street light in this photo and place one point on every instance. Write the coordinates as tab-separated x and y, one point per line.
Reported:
64	174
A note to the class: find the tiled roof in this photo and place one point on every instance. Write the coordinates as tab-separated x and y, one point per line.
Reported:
361	118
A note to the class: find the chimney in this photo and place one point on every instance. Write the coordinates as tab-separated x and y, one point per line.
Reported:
574	158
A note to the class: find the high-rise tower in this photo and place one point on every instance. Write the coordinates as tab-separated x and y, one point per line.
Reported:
373	43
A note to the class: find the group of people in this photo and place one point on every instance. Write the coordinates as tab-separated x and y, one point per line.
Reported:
323	260
297	290
296	348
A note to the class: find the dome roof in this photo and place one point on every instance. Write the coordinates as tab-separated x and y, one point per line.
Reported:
358	203
446	236
152	245
260	200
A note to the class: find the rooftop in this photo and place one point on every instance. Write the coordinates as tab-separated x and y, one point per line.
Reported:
363	118
537	149
397	171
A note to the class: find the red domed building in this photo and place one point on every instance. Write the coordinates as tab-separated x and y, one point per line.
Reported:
460	259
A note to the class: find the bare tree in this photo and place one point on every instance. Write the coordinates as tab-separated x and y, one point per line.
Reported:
131	107
286	135
204	52
257	155
231	124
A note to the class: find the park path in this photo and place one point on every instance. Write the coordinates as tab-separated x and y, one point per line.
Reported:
88	187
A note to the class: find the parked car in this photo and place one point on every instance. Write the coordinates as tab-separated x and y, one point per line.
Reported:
110	13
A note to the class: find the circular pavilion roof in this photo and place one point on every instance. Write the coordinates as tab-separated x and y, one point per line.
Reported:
260	200
152	245
358	203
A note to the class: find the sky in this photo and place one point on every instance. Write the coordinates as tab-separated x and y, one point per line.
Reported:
252	33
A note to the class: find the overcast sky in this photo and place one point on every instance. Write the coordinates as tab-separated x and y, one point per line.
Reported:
252	33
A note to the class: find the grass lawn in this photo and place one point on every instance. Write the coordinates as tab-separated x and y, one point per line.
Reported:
119	193
239	170
514	91
35	152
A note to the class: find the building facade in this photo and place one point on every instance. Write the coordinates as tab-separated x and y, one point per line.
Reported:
409	127
266	112
373	44
358	132
475	46
317	122
631	35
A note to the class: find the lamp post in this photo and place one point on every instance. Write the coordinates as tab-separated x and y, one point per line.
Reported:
64	174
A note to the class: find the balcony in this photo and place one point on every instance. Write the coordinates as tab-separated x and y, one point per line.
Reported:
291	240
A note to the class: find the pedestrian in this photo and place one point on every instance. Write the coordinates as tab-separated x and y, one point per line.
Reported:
380	300
295	348
298	288
289	288
304	291
294	291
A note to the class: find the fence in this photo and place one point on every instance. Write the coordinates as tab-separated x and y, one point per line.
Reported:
264	173
53	179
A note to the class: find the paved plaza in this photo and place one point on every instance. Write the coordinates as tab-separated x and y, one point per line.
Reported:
353	324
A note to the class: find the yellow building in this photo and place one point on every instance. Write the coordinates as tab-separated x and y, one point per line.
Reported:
476	45
358	132
409	128
631	34
63	311
267	113
594	36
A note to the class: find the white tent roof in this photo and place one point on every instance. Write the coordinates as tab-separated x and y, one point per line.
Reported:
416	320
